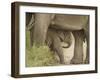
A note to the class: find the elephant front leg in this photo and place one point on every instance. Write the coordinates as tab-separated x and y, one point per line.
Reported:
42	22
78	49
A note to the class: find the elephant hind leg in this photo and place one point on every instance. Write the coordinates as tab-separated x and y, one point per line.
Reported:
87	52
78	49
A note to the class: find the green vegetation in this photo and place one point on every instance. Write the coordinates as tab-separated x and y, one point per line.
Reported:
38	56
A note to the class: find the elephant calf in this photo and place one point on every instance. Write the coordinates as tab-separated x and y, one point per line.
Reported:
54	39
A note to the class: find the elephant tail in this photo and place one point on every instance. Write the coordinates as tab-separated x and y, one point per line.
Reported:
80	33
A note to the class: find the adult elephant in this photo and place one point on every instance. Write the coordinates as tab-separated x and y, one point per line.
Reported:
75	23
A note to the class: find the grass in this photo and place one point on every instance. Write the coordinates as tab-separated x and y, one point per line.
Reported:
38	56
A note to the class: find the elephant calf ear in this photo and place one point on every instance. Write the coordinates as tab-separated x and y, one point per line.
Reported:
48	40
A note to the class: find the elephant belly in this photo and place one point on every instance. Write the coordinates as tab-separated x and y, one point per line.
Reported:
69	22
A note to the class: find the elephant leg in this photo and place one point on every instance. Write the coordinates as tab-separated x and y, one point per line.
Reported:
78	49
87	52
86	30
31	36
42	22
58	48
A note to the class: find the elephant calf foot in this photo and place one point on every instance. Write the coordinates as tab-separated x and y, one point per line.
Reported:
76	61
62	61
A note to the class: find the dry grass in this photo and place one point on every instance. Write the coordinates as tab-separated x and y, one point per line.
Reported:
38	56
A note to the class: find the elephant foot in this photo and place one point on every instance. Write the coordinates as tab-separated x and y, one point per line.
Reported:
86	61
76	61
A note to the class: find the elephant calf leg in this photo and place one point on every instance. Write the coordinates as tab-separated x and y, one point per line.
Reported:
78	49
58	49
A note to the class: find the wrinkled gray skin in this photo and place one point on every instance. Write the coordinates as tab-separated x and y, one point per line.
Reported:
76	24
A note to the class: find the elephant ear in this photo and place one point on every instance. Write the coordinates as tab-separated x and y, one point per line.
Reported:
31	22
28	18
